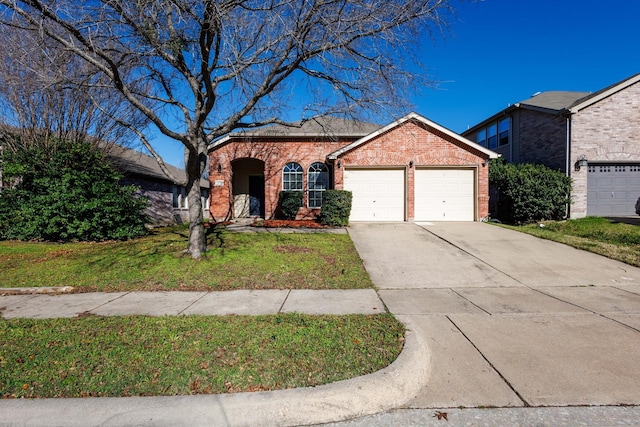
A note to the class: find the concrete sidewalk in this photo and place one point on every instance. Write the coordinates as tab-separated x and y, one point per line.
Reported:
240	302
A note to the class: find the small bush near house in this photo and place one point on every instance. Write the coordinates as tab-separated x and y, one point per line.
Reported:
66	191
336	208
638	206
529	193
289	202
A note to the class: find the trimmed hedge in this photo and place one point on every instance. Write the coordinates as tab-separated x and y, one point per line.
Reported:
336	208
67	192
529	193
289	202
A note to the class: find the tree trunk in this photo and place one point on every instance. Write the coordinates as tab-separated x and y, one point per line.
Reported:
197	237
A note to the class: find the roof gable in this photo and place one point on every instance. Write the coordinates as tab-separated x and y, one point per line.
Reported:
603	93
416	117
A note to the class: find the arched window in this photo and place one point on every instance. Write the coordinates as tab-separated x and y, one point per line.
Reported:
292	177
318	183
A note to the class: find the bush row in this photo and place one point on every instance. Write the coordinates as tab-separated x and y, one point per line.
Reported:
336	206
529	193
66	192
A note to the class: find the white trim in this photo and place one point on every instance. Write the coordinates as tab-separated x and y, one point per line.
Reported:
215	144
412	116
605	94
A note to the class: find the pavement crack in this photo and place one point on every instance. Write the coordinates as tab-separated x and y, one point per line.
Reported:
506	381
108	302
192	303
471	255
284	301
470	302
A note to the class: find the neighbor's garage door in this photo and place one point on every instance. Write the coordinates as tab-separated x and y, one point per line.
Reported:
378	194
612	189
444	195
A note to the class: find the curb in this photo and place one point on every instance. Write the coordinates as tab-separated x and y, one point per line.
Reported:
37	291
380	391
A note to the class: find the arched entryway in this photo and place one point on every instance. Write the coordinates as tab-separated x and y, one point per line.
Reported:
248	188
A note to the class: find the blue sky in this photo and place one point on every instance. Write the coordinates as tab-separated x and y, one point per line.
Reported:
500	52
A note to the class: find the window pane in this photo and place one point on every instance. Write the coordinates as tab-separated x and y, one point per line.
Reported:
482	137
315	199
318	181
292	177
176	197
492	133
504	131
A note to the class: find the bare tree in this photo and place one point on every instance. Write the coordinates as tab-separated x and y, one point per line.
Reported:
41	105
200	69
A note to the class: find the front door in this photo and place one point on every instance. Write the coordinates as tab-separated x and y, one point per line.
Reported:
256	195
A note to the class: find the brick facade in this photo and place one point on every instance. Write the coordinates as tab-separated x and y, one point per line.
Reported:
275	155
264	157
542	139
606	131
426	148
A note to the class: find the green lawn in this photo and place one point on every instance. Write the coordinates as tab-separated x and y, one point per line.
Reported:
158	262
140	356
612	239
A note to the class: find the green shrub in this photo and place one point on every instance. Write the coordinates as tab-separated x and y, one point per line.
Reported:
529	193
336	207
289	202
67	192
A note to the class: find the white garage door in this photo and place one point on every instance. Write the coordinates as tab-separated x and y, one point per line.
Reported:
613	189
444	195
378	194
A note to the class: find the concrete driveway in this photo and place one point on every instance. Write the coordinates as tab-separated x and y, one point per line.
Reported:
511	320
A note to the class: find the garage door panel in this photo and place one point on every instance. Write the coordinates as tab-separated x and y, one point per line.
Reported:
378	194
444	195
612	189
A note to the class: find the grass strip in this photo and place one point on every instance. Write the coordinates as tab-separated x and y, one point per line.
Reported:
141	356
158	262
602	236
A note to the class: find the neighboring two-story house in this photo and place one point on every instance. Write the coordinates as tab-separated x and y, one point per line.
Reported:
410	170
592	137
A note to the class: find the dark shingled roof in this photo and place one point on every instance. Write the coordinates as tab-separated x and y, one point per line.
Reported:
555	100
134	162
319	126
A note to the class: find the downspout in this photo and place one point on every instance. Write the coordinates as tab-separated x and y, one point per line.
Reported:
568	155
568	146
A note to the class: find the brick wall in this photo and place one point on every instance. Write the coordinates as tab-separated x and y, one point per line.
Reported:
542	139
275	156
425	147
607	131
408	142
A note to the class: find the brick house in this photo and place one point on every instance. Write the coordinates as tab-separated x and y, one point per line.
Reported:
410	170
167	198
592	137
